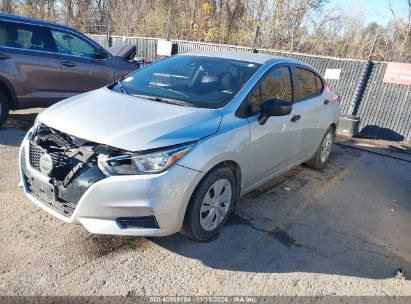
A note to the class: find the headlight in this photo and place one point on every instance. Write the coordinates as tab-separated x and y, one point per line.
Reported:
36	124
137	163
34	128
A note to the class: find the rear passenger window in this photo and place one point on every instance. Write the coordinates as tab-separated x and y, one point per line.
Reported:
276	84
306	84
21	36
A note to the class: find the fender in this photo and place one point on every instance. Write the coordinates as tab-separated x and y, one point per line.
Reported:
230	143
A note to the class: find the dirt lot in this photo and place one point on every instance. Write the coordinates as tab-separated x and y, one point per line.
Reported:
343	231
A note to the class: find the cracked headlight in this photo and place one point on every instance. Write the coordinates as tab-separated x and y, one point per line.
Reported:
138	163
34	129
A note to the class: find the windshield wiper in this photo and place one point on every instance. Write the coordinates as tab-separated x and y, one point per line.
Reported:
164	100
120	86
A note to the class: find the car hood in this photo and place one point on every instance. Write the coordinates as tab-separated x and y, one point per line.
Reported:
126	51
128	122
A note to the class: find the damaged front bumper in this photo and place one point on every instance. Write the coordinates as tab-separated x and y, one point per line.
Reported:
143	205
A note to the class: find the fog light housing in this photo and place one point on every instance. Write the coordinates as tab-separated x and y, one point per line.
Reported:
137	222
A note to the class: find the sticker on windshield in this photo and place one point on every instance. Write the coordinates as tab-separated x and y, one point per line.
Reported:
128	79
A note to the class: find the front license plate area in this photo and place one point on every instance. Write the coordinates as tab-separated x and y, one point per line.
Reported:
45	190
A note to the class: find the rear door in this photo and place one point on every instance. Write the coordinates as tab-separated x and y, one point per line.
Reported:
312	106
274	144
80	71
29	64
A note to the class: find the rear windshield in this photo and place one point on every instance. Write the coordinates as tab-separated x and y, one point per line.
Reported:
195	80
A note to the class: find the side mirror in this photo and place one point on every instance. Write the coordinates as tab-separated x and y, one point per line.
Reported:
274	107
99	54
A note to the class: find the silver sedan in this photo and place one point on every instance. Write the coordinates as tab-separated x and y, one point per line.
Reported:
172	147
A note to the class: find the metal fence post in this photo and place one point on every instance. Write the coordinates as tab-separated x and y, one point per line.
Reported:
109	39
257	30
355	105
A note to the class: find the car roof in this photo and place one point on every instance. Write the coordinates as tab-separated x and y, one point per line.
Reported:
245	56
33	21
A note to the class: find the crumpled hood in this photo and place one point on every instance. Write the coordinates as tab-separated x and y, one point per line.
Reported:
128	122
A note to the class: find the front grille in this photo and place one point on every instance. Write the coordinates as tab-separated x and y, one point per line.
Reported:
60	159
64	208
73	171
35	154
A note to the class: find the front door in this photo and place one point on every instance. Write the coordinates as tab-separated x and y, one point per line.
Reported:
272	145
81	72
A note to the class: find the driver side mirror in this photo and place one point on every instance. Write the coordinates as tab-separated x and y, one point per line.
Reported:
274	107
99	54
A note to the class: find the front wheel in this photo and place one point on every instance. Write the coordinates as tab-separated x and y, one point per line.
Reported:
322	154
210	205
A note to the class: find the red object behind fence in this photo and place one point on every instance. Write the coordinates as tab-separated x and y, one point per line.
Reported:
399	73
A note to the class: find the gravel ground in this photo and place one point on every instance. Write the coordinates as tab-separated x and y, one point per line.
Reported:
343	231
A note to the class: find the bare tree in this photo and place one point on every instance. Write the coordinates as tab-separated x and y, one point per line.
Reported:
7	6
308	26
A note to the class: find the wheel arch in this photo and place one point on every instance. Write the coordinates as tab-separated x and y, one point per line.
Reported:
334	127
235	168
7	89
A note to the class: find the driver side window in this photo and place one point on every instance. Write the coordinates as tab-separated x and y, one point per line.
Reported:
72	45
276	84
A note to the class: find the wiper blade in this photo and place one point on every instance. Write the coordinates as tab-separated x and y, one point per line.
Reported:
145	96
122	90
164	100
172	101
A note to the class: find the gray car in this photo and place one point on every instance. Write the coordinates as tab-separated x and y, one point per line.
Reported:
43	62
173	146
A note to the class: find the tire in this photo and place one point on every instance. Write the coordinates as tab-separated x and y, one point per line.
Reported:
4	108
322	154
205	225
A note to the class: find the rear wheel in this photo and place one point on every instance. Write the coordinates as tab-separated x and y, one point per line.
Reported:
4	108
210	205
322	154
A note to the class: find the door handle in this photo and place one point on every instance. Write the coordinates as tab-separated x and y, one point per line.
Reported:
295	118
326	102
4	56
68	64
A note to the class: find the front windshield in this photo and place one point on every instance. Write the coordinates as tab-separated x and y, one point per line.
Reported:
197	81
